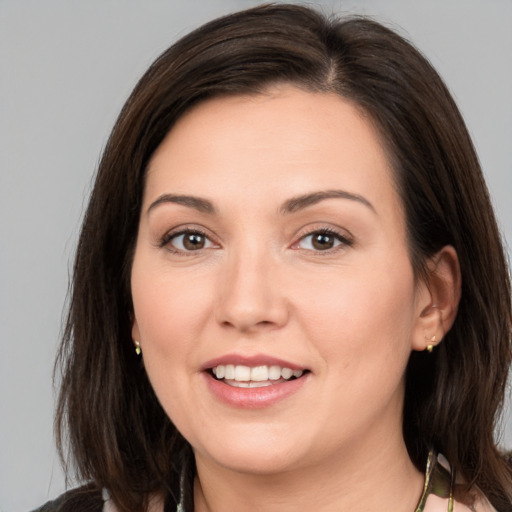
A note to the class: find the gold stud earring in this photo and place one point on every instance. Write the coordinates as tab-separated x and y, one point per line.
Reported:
430	346
138	350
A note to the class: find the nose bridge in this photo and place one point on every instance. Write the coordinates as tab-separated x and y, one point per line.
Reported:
250	296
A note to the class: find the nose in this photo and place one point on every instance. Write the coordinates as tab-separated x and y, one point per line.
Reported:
251	296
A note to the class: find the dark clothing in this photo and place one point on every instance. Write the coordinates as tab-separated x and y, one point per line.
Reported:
84	499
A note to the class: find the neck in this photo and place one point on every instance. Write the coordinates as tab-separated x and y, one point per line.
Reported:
376	476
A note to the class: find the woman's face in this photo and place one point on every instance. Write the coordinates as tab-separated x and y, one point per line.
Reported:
272	252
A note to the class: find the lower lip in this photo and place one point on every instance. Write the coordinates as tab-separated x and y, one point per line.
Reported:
253	398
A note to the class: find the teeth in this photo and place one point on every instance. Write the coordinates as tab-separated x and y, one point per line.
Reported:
220	372
259	373
229	371
274	372
286	373
242	373
238	384
256	376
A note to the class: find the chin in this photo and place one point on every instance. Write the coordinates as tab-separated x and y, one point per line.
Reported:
259	463
255	453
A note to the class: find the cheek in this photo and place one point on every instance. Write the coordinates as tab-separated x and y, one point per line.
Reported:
363	322
169	307
363	335
170	313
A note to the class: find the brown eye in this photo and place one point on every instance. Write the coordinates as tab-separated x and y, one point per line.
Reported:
193	241
322	241
188	241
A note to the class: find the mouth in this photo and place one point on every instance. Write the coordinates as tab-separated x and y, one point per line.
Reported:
254	381
242	376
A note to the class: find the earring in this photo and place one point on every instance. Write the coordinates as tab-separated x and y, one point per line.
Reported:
138	350
430	346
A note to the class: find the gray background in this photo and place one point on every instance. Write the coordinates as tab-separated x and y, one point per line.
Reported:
66	69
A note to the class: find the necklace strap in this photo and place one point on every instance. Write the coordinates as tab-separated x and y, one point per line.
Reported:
438	481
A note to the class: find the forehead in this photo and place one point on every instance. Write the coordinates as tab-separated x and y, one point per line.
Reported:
285	142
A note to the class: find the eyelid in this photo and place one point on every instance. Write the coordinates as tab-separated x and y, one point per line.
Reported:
345	239
165	240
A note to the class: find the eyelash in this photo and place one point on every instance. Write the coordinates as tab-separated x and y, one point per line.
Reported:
167	239
343	240
329	232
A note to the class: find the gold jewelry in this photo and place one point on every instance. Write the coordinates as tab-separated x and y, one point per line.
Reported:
430	346
439	481
138	350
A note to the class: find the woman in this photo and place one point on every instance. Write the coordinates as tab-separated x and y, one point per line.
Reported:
289	290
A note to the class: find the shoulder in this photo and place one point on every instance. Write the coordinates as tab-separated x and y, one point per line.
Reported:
437	504
83	499
480	504
446	495
92	499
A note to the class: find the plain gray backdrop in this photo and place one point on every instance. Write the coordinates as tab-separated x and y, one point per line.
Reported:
66	69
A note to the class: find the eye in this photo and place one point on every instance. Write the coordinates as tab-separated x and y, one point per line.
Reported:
187	241
322	240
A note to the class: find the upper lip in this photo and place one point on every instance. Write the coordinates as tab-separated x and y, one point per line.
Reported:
252	360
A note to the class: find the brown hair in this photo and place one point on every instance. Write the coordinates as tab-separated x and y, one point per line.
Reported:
118	434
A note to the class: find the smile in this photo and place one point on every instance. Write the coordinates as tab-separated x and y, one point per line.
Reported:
254	382
242	376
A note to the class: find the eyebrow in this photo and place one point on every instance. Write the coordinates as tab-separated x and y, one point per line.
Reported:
300	202
198	203
290	206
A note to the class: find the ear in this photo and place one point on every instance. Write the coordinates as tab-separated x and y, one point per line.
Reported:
438	297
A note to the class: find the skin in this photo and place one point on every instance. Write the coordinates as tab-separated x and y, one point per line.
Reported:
350	314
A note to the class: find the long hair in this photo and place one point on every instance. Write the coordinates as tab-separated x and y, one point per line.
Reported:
118	434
